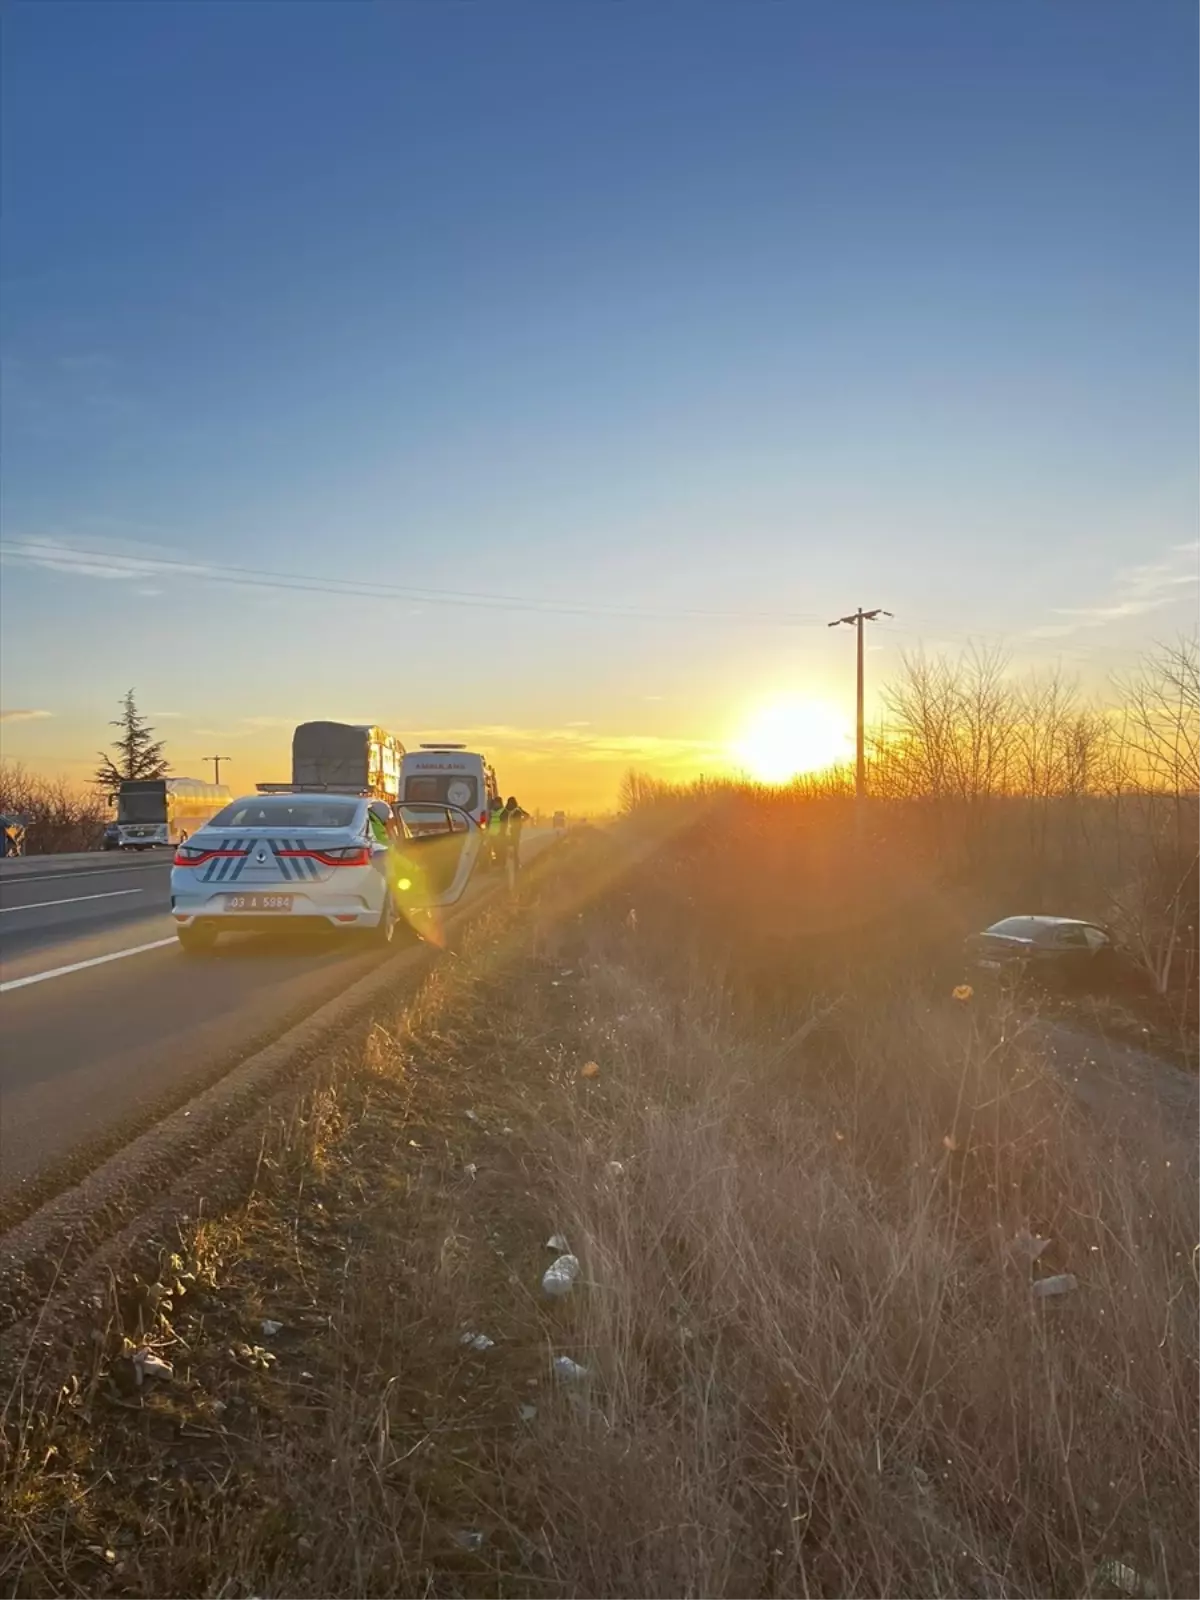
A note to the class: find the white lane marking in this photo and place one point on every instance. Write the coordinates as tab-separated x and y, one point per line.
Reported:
78	966
72	900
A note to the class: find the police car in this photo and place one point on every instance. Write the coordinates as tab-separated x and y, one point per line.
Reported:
294	857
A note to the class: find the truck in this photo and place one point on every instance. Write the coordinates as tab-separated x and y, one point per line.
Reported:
341	756
162	811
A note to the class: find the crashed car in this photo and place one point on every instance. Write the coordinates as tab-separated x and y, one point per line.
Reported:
1062	952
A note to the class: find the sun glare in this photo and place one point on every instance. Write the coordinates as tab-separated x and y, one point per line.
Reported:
792	737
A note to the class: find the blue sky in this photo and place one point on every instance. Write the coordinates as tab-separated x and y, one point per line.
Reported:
758	310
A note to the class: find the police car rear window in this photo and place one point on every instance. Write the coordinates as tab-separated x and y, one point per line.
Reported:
286	813
444	788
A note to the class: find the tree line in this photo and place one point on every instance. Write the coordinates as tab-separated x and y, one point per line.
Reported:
1021	790
60	817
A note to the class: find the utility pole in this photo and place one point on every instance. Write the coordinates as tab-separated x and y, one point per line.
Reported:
856	620
216	761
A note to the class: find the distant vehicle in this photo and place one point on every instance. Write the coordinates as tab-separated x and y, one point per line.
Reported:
451	775
560	821
307	859
162	811
358	757
1062	951
12	835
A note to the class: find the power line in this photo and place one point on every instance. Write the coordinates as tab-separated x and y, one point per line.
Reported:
66	558
70	559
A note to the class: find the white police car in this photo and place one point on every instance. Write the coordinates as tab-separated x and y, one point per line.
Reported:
297	857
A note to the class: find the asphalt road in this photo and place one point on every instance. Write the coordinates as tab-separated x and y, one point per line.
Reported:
117	1018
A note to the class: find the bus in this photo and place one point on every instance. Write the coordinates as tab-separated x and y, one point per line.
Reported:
162	811
343	755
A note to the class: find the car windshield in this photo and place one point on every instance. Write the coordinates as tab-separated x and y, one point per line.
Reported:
287	812
144	807
1016	928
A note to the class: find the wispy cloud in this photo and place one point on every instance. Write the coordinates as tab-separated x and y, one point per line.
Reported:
553	744
86	558
1136	591
163	715
19	714
243	728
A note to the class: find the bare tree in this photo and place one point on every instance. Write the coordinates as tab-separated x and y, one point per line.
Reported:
57	816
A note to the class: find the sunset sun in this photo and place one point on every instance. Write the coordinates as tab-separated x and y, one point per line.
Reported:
791	737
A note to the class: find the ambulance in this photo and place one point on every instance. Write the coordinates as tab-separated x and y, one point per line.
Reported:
452	775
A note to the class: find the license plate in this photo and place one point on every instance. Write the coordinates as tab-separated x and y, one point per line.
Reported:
258	902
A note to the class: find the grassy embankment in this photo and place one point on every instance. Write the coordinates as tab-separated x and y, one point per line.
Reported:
803	1191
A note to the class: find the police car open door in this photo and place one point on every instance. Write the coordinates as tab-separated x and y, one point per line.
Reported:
435	853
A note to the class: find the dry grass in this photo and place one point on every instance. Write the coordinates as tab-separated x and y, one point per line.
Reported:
815	1363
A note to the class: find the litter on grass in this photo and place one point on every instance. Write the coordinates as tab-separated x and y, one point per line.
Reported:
557	1242
1061	1283
1029	1246
270	1327
567	1370
469	1539
147	1365
560	1275
477	1341
1118	1576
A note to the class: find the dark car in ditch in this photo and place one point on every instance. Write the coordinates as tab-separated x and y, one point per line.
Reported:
1062	952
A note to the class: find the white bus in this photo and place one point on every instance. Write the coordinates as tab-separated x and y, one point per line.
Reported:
162	811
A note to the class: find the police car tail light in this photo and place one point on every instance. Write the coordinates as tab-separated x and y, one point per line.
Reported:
351	855
195	855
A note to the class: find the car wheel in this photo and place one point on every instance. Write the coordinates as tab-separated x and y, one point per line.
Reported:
196	940
384	931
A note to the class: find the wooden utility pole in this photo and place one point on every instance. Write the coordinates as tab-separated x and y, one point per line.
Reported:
856	619
216	761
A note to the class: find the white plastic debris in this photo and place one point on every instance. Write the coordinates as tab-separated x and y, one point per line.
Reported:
560	1275
469	1539
1119	1576
147	1365
1061	1283
527	1412
270	1327
557	1242
471	1116
477	1341
569	1371
616	1169
471	1170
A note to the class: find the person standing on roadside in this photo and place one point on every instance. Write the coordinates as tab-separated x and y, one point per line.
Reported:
496	831
514	820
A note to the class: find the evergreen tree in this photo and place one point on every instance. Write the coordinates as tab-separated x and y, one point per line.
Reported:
139	753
